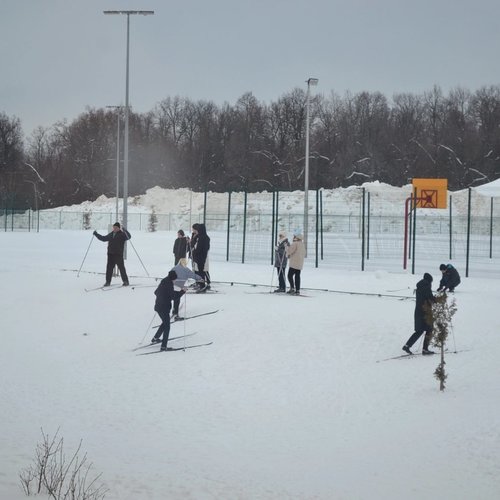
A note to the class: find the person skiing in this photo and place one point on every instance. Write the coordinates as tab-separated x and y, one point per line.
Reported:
164	296
183	274
296	253
199	253
181	245
423	315
116	243
450	278
280	261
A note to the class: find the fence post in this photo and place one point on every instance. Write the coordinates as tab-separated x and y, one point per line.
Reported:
321	219
244	227
451	227
368	228
468	234
491	228
414	230
228	224
316	249
205	207
363	230
274	226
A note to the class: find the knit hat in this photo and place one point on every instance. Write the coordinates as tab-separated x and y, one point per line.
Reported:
298	236
172	275
183	262
117	224
428	277
442	267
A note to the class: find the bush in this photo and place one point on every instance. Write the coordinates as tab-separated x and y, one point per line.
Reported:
53	474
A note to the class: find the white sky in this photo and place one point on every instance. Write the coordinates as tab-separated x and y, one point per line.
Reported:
59	56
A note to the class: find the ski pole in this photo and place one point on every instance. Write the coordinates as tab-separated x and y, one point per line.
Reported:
91	240
185	314
453	335
149	326
138	257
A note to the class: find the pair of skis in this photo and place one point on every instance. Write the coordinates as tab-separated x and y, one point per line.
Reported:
417	354
179	337
110	287
172	349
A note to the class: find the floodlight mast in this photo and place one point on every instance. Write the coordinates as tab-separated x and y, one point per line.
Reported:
119	108
310	82
128	13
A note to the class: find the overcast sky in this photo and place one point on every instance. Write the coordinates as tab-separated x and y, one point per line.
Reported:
59	56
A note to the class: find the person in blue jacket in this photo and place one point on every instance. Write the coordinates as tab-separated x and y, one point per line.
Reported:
164	296
450	278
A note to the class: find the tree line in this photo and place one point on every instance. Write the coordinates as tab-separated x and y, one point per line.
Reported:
255	146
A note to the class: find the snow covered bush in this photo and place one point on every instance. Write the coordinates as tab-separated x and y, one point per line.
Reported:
153	221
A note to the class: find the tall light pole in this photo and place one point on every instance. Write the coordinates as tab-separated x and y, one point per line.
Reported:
118	108
128	13
310	82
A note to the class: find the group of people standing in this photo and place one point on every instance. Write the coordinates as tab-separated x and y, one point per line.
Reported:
292	254
173	286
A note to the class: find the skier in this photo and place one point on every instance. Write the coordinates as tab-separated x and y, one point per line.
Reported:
296	253
181	244
280	261
164	296
183	274
199	253
423	315
116	243
450	278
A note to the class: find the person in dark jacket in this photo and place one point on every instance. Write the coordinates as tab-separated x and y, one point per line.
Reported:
423	315
116	243
280	261
181	244
450	278
199	253
164	296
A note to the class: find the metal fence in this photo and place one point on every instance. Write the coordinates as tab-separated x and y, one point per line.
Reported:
339	224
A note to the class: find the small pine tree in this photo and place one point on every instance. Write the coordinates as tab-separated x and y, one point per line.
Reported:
87	220
441	314
153	221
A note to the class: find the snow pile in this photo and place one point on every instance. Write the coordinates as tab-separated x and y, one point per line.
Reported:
385	200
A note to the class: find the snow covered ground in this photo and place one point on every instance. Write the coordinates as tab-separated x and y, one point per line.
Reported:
291	401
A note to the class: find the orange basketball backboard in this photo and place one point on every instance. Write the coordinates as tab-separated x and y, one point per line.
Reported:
431	193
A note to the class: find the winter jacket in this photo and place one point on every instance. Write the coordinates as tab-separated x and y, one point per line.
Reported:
116	241
201	247
184	274
164	294
423	311
180	248
280	258
296	253
450	278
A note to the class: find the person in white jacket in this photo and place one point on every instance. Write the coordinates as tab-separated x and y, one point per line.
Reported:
296	253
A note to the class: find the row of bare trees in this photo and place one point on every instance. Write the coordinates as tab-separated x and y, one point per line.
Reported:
255	146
